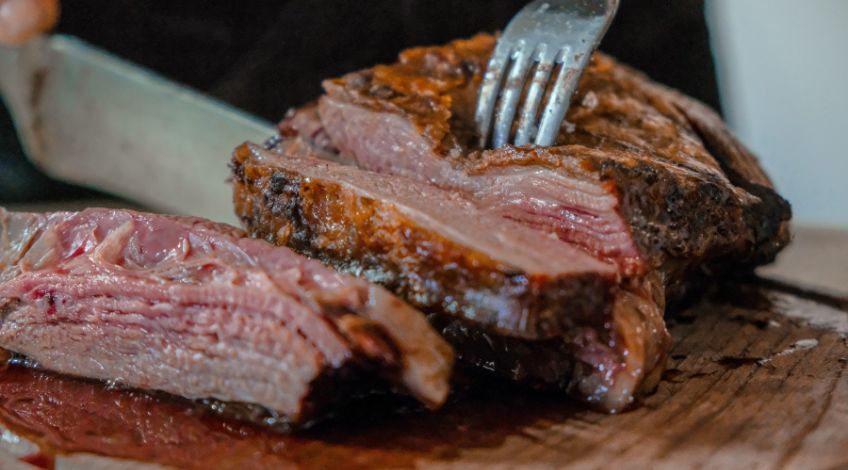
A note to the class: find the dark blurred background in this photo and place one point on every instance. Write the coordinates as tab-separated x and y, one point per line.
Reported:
266	56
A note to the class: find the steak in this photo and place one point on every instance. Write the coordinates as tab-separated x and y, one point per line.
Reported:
639	174
509	297
383	176
196	309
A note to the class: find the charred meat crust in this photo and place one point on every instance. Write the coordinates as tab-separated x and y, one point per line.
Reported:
768	218
678	221
740	220
367	237
600	341
689	190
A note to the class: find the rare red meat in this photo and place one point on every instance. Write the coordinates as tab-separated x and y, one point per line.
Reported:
195	309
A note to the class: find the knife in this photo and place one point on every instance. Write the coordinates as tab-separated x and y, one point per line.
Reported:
91	118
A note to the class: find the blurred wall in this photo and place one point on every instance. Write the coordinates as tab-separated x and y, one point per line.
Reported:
783	76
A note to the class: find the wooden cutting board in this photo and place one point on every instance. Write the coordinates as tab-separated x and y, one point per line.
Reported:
758	378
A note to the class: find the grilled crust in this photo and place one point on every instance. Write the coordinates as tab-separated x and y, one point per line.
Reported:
572	325
363	236
689	183
695	198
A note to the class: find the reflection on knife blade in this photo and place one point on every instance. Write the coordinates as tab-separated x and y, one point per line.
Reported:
90	118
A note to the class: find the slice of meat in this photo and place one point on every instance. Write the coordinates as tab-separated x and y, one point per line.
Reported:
510	298
195	309
640	174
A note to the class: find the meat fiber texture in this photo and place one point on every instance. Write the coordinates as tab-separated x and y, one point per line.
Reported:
196	309
549	265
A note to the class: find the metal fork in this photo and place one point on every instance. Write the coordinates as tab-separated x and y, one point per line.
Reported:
544	35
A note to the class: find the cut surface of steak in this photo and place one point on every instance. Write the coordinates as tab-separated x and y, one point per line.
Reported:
510	298
196	309
639	174
502	275
646	181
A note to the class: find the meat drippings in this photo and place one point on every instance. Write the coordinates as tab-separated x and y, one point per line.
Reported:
64	416
196	309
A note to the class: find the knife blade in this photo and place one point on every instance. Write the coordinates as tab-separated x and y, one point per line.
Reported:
91	118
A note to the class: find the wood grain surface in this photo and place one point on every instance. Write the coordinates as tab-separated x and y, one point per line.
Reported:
758	378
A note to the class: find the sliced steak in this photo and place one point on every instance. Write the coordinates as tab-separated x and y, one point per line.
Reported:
195	309
640	174
503	293
644	180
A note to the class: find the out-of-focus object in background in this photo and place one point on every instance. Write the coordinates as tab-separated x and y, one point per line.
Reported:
782	69
87	117
21	20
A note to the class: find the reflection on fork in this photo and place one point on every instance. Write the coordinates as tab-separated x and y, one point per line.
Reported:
541	54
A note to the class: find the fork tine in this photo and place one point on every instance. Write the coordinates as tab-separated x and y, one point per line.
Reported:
489	92
511	93
571	29
527	121
558	101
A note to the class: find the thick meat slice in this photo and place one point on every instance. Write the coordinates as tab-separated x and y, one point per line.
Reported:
195	309
646	181
510	298
640	174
